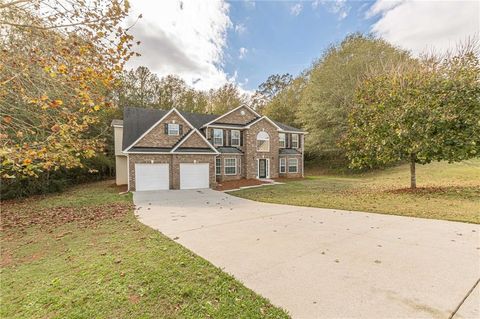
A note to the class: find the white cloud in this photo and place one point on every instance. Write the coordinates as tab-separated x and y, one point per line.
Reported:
240	28
249	4
338	7
425	25
296	9
242	53
186	38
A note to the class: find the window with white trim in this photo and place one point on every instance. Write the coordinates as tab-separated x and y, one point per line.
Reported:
218	166
217	137
230	166
283	165
235	137
294	140
281	140
263	142
173	129
293	165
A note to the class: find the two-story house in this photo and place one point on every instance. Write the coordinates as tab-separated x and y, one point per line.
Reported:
170	149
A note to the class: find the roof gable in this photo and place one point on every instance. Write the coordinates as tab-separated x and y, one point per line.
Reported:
194	140
240	115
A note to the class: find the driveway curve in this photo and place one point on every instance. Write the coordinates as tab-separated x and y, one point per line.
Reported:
327	263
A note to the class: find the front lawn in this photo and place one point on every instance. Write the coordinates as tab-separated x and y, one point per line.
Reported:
446	191
82	254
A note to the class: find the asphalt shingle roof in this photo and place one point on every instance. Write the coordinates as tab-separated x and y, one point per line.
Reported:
137	121
288	151
229	150
286	127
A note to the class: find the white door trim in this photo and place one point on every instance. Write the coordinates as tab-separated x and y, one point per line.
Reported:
267	168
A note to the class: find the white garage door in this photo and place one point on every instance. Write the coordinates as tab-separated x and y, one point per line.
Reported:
150	177
194	176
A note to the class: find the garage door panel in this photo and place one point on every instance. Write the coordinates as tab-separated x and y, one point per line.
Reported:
152	177
194	175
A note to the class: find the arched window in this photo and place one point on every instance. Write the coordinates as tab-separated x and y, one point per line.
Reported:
263	142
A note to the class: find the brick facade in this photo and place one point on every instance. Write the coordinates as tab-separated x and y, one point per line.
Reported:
252	155
287	174
240	168
247	162
236	117
194	141
174	161
157	137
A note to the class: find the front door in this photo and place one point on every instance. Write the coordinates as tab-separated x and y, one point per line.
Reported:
262	168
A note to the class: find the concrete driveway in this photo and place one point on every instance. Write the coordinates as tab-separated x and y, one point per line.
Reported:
325	263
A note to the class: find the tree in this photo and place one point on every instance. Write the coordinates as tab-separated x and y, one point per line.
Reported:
267	90
139	88
225	99
58	62
329	93
418	113
283	107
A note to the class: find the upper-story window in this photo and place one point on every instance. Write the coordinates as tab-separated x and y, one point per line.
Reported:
281	140
263	142
294	140
235	138
217	137
173	129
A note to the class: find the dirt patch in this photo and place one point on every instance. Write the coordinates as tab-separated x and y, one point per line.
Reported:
17	218
119	188
238	183
134	299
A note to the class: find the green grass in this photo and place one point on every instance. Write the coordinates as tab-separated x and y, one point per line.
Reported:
100	262
445	191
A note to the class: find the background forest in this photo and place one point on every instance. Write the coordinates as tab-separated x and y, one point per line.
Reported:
365	103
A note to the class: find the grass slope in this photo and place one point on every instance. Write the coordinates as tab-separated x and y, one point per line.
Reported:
446	191
82	254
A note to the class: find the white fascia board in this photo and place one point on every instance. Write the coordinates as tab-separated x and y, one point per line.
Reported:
264	118
229	112
164	153
155	125
188	135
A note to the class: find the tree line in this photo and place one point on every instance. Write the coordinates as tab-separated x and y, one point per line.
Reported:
364	102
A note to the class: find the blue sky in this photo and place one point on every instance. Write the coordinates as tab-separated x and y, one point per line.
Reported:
280	38
212	42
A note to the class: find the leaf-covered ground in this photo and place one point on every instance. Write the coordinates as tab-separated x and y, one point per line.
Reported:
446	191
82	254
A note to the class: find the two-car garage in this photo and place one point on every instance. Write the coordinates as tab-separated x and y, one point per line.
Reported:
156	176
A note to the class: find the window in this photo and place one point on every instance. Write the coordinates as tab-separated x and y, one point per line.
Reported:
283	168
230	165
292	165
294	140
173	129
281	140
263	142
218	166
235	138
217	137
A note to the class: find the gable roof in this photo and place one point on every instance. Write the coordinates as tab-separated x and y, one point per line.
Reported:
194	131
231	111
137	121
288	128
